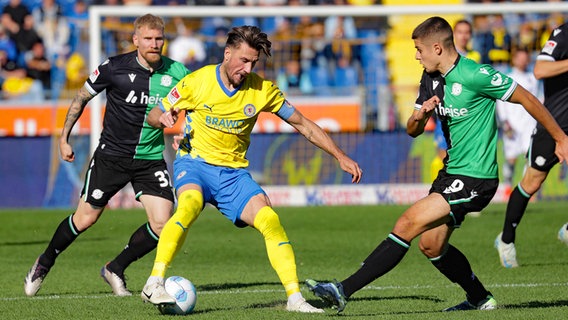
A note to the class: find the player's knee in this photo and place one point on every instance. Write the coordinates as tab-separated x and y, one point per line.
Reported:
268	222
190	203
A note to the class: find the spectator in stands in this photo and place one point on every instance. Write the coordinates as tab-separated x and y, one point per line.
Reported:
187	48
38	67
15	84
216	46
14	15
8	44
53	28
499	54
291	79
462	37
26	37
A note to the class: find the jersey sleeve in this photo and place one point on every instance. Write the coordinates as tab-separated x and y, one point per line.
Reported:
492	83
556	48
274	97
179	96
100	78
423	92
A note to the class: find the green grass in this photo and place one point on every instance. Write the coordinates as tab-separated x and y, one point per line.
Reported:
235	281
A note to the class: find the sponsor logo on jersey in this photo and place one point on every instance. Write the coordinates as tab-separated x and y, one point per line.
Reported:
173	96
225	125
132	76
549	47
249	110
166	81
450	112
144	98
456	89
94	75
497	80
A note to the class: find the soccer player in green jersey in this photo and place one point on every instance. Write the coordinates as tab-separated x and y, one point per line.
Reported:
129	151
469	179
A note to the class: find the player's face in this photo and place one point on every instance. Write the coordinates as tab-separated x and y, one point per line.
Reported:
426	54
150	43
239	62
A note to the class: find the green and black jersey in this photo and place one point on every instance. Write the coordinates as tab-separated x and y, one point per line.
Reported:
132	91
468	115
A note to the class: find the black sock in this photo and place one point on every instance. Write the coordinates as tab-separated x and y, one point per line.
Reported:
383	259
454	265
515	210
64	235
141	242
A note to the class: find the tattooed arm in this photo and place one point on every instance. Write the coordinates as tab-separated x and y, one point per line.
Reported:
75	110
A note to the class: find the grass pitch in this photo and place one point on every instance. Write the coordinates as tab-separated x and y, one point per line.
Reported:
234	279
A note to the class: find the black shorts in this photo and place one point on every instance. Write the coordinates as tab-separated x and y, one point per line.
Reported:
541	154
108	174
464	194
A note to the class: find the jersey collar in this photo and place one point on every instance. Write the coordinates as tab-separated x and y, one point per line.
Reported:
453	66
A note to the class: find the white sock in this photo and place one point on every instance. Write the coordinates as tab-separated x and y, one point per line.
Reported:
295	297
154	279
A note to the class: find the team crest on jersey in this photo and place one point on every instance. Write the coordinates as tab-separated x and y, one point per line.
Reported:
173	96
166	80
94	75
456	89
249	110
549	46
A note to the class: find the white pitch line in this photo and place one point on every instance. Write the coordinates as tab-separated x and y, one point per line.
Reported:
256	291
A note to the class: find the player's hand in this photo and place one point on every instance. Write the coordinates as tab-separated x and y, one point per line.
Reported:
177	139
562	149
169	118
427	109
350	166
66	152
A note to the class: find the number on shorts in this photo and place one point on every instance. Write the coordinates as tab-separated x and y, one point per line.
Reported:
164	178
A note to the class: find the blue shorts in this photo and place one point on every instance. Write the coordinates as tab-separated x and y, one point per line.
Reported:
228	189
439	136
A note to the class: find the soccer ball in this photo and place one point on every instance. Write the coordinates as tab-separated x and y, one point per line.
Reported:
184	292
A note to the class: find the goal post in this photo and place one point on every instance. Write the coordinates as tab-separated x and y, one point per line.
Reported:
96	13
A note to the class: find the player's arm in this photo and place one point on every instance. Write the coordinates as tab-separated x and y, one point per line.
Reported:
417	121
543	116
316	135
73	114
547	69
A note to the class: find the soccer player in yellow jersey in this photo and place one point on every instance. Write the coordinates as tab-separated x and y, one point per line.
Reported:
222	103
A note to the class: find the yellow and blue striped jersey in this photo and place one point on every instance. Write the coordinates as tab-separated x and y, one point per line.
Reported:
218	122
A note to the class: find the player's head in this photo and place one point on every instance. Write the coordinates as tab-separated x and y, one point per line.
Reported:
149	39
434	42
242	52
462	34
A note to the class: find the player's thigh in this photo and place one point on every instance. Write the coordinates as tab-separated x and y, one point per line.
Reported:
151	177
427	213
238	191
541	154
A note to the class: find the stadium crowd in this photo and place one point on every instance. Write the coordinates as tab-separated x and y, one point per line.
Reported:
44	44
